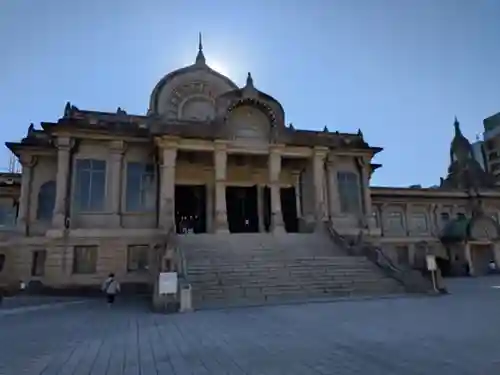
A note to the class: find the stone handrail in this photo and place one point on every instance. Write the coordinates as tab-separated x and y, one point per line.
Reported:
411	279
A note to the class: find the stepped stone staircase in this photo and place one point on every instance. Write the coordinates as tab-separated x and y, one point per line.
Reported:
252	269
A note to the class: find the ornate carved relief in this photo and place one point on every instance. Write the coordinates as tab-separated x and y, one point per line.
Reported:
249	123
192	101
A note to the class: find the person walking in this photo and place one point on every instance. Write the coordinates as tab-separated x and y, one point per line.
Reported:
111	287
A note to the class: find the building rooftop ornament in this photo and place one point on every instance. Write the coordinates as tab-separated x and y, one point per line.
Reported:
464	171
290	126
200	57
31	128
325	129
67	110
120	111
249	80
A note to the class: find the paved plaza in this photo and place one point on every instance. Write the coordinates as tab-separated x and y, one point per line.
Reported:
455	334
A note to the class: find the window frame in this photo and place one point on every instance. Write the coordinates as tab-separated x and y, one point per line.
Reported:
93	267
140	207
38	212
34	264
415	217
353	194
77	207
392	229
137	268
9	212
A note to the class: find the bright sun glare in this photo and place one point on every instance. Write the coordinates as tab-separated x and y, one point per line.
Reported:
218	67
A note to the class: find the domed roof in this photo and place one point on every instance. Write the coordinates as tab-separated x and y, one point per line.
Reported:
199	68
249	95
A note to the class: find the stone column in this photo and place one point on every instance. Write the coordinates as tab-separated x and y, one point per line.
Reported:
274	165
319	157
28	162
168	151
364	168
210	208
407	220
260	208
296	179
333	187
64	146
220	163
116	149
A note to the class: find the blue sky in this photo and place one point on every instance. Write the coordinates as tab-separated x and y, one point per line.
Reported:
398	69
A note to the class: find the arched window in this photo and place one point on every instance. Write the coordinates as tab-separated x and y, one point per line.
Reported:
46	200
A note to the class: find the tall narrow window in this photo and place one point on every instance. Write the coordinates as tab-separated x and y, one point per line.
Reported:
141	187
419	222
90	184
46	200
7	215
349	192
2	262
38	262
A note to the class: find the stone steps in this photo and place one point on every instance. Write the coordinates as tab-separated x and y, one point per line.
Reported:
252	269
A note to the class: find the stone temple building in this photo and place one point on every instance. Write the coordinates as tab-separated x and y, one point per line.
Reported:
213	171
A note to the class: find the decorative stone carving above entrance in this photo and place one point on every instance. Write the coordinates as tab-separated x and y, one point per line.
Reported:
248	123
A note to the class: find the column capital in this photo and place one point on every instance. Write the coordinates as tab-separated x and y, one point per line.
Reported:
320	152
276	148
167	141
64	143
220	145
117	147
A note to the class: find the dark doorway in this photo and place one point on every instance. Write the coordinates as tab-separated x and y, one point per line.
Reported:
190	208
242	213
267	208
289	209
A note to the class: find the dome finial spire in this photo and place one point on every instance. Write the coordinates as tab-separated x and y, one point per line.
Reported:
249	80
200	57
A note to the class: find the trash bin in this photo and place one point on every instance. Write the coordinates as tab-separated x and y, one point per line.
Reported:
185	298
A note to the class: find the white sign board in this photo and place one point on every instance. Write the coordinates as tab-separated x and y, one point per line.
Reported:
431	262
167	283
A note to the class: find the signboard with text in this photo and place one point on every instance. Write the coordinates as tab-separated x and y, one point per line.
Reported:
167	283
431	262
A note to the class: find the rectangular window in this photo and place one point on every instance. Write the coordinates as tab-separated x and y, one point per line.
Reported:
141	187
7	216
349	192
90	185
395	222
84	259
137	258
419	222
38	262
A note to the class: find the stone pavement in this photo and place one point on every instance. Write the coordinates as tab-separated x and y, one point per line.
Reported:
455	334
